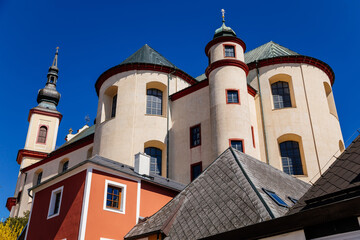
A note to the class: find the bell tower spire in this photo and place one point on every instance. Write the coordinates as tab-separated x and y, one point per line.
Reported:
48	97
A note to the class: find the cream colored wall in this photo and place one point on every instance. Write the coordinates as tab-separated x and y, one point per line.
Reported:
121	137
186	112
49	169
229	121
296	120
36	121
297	235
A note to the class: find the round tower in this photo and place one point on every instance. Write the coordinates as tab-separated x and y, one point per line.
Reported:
229	104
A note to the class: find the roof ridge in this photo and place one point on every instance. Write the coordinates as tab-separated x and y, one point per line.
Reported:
252	184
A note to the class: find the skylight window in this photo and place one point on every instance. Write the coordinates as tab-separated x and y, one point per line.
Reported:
294	200
275	198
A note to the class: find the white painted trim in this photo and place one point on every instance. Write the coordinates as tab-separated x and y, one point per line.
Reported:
122	200
138	201
106	238
29	221
85	204
52	202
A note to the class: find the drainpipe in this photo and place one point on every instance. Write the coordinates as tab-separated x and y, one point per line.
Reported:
168	123
262	114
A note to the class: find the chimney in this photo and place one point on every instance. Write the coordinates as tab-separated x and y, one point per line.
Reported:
142	164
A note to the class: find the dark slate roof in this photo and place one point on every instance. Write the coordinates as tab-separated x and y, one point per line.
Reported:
123	168
227	195
80	136
343	176
146	54
268	50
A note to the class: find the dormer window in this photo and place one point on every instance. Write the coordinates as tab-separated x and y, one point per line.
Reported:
229	50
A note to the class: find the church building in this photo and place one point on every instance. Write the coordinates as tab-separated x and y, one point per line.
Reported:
157	128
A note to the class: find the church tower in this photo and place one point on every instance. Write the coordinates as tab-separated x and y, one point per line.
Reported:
229	103
43	120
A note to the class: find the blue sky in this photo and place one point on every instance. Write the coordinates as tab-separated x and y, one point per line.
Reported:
94	37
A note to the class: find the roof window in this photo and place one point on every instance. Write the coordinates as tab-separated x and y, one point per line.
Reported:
293	200
276	198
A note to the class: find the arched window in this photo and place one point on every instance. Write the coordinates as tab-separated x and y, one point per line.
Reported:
154	101
291	158
330	99
64	165
113	106
37	177
281	94
155	159
42	134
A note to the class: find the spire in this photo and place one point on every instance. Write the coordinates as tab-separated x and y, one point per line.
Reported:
224	30
48	97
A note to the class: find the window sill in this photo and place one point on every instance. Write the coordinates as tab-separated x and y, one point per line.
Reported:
277	109
155	115
195	146
54	215
114	210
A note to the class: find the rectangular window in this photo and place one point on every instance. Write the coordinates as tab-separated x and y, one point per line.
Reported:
229	50
237	144
114	197
55	202
113	106
253	136
232	96
275	198
196	170
195	136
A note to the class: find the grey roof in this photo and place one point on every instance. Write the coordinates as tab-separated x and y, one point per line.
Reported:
80	136
146	54
268	50
123	168
227	195
342	176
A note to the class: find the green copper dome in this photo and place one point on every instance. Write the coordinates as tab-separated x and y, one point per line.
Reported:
224	31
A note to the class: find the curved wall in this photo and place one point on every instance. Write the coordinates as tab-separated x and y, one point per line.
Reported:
121	137
309	117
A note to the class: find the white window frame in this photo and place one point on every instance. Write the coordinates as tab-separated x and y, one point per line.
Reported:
52	202
123	196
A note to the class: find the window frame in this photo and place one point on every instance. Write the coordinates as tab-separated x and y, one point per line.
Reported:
122	201
38	135
36	177
113	106
192	170
227	96
52	203
65	163
229	45
238	139
161	150
289	94
300	156
271	193
162	102
192	134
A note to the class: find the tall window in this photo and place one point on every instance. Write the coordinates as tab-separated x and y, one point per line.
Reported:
154	101
155	159
281	94
42	134
196	170
114	198
237	144
290	157
55	202
232	96
113	106
229	51
195	136
38	178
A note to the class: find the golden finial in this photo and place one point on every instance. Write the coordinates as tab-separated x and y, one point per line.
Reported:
57	49
223	14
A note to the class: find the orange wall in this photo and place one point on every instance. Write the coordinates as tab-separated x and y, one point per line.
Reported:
106	224
153	197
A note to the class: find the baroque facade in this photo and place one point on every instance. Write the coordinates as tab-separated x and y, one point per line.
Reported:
271	103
